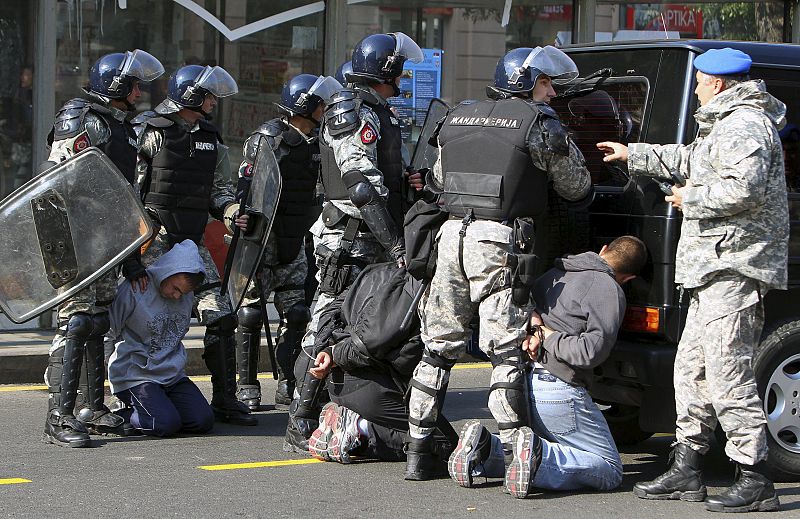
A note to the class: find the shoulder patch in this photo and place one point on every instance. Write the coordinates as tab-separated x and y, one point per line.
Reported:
81	142
368	134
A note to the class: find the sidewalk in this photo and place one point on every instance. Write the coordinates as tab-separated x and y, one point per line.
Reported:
23	354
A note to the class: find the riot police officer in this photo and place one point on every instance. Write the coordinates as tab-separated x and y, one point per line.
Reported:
283	269
363	176
185	177
98	120
496	158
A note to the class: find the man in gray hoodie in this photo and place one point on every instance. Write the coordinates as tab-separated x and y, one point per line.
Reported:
147	368
579	309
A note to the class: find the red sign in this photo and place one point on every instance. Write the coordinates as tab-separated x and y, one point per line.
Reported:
682	18
555	13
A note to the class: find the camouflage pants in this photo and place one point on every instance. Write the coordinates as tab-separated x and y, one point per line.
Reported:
364	247
208	304
287	281
714	377
482	284
94	299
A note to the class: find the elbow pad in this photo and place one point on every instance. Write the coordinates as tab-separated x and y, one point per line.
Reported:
374	213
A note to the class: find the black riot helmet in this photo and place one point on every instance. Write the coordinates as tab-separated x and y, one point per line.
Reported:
380	57
519	69
112	75
295	98
189	85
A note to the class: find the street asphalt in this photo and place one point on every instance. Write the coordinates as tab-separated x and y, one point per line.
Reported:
203	476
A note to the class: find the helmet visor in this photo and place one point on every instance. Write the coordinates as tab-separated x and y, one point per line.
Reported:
141	65
552	62
217	81
408	48
324	88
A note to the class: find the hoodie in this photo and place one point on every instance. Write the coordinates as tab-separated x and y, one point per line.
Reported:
151	327
735	213
584	304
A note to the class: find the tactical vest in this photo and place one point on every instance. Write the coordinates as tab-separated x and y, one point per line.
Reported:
389	155
486	163
299	171
120	148
181	177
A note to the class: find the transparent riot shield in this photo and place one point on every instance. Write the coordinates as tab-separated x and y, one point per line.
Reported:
425	154
248	248
64	229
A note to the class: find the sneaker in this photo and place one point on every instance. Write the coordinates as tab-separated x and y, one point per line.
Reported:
337	434
526	456
468	453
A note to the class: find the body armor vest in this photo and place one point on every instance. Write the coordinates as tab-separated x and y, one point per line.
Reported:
486	163
181	177
296	209
389	155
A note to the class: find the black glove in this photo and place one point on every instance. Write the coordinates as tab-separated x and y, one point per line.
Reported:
132	268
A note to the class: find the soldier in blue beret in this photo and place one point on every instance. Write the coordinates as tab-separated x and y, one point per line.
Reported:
733	249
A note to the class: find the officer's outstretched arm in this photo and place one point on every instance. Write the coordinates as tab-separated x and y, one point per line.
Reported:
374	213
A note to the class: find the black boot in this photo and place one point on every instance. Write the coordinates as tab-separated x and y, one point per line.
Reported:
287	349
248	342
97	418
299	429
61	427
683	480
422	461
220	358
751	492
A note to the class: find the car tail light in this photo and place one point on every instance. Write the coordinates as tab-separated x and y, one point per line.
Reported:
641	319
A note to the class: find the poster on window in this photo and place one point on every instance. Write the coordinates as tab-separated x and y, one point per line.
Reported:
419	84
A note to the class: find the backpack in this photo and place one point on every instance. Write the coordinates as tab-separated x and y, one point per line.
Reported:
420	228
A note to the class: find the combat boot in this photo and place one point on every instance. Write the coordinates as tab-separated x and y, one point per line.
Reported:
683	480
298	430
248	342
96	417
751	491
287	349
220	359
61	427
422	462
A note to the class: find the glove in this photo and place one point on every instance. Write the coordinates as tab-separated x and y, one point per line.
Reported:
398	254
133	269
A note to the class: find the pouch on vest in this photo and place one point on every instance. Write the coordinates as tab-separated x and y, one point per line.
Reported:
336	265
525	272
421	225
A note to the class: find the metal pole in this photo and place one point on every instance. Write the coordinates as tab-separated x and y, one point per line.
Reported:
335	35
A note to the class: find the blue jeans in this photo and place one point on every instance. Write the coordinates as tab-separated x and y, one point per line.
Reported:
577	448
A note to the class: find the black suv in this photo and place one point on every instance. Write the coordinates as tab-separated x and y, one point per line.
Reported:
646	94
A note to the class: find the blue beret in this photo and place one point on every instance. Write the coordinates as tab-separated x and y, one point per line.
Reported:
722	62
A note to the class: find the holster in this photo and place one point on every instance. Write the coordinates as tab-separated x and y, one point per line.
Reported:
525	273
336	265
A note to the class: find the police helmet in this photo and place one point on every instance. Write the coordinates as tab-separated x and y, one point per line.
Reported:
344	70
112	76
380	57
519	69
189	85
295	98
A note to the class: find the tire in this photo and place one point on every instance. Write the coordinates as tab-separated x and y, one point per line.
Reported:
777	372
623	421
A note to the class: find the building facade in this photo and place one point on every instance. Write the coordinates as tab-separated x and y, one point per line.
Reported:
48	46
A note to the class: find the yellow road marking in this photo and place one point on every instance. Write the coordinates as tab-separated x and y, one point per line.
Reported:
259	464
207	378
13	481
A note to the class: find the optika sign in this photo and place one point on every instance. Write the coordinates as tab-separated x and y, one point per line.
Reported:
685	19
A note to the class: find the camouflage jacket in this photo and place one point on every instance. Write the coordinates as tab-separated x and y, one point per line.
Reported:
735	213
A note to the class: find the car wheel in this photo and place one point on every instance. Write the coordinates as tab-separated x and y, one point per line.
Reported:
777	372
623	421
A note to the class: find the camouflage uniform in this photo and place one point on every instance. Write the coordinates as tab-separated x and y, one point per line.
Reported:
482	283
733	248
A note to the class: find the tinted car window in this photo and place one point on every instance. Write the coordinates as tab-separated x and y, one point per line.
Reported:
609	109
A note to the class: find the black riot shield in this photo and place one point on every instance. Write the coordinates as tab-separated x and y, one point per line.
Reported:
64	229
248	248
425	154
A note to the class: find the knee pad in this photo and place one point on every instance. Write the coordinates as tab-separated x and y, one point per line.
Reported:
441	367
100	325
55	364
250	318
222	327
79	326
298	315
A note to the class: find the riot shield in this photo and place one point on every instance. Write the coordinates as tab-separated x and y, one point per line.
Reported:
64	229
248	248
425	154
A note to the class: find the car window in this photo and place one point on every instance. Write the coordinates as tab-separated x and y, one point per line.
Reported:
609	109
